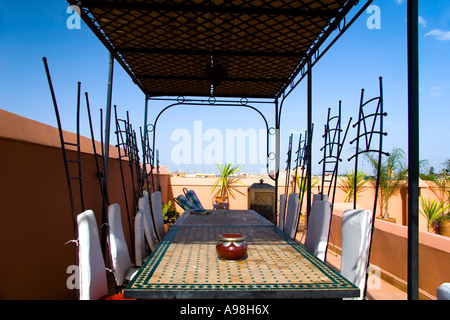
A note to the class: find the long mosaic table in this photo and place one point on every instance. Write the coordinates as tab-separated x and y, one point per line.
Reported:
185	264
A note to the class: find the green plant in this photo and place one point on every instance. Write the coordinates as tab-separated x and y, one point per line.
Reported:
432	210
349	187
226	182
443	186
169	214
392	173
302	184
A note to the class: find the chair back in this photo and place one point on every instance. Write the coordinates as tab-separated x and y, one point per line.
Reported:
356	237
320	197
144	205
282	211
139	239
92	272
318	228
292	215
120	257
158	214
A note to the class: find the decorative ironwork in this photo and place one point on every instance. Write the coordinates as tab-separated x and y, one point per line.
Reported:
369	127
332	148
101	174
288	165
301	163
68	161
368	132
243	102
124	143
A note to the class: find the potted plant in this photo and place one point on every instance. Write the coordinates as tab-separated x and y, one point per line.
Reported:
226	184
392	173
442	192
349	186
444	224
432	210
170	215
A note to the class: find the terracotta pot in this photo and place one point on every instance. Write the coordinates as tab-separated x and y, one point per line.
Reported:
444	228
231	246
220	200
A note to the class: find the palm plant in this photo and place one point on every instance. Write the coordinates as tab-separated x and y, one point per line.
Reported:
226	182
349	184
392	173
432	210
301	183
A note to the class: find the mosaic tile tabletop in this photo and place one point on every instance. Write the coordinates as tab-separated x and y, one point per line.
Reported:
185	264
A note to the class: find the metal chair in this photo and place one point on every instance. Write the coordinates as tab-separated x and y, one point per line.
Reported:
149	230
92	271
318	228
139	239
120	257
282	212
158	214
356	239
292	215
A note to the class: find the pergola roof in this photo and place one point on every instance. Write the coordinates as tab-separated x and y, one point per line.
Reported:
167	46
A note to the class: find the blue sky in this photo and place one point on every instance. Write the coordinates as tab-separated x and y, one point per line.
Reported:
30	30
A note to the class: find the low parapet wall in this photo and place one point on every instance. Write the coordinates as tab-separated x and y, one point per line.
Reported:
390	252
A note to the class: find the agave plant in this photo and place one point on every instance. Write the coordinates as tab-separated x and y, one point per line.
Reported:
226	182
349	185
432	210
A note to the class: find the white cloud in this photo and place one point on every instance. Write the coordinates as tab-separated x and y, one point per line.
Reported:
398	2
422	22
436	91
439	34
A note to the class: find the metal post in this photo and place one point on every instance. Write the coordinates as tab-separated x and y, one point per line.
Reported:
277	156
413	150
145	117
108	113
309	146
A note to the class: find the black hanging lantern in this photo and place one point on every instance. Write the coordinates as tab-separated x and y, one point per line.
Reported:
215	72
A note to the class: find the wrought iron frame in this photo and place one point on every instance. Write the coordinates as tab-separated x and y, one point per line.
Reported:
367	135
68	161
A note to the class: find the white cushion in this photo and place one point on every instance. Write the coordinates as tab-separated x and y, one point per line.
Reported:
356	235
120	257
144	205
292	215
92	273
318	228
139	239
282	211
158	214
320	197
443	292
